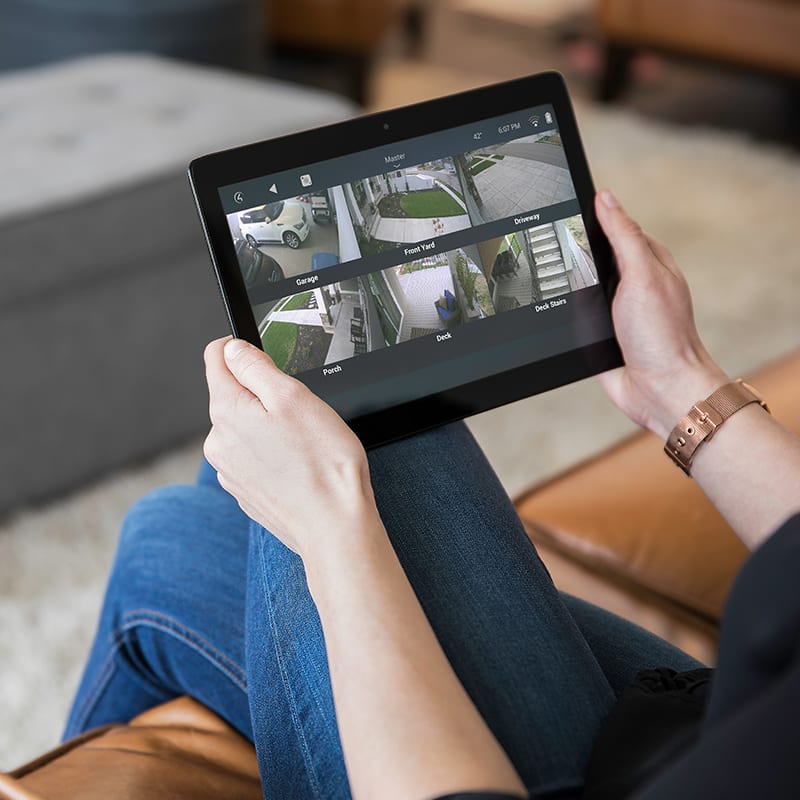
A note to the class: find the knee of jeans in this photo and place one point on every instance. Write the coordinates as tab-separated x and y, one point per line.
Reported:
152	537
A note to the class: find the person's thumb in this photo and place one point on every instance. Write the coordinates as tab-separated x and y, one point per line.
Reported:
251	367
627	238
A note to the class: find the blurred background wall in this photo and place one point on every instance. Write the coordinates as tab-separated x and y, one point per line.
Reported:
689	110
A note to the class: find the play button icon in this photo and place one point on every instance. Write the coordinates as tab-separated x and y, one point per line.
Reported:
273	189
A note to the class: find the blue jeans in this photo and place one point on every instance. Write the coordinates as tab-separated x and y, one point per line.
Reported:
204	602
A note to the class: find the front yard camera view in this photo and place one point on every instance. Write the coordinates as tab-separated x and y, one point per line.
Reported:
426	297
406	206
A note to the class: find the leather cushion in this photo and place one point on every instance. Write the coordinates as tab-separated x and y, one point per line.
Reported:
631	514
176	750
758	33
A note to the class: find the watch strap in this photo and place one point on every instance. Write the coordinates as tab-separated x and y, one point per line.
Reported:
703	419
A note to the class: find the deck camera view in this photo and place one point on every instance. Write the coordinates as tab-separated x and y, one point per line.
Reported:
425	297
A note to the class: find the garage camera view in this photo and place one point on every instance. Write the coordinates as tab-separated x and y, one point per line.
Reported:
283	238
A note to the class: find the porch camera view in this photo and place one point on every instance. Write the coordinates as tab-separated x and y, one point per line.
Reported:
502	180
320	326
537	264
406	205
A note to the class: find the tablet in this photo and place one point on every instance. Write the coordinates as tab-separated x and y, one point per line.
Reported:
422	264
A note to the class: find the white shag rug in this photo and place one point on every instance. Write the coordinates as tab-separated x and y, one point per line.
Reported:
726	207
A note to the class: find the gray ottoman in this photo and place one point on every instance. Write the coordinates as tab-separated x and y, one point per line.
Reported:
225	32
107	295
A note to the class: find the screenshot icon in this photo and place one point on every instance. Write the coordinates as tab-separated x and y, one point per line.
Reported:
305	180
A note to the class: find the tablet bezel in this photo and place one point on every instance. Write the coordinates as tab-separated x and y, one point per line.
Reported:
208	173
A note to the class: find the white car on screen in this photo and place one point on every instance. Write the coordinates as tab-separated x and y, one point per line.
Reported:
285	221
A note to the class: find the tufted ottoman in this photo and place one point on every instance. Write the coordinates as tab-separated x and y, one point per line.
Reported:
107	295
225	32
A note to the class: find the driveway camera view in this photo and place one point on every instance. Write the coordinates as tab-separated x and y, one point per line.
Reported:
406	206
502	180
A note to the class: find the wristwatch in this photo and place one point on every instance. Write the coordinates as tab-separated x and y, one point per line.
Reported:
703	419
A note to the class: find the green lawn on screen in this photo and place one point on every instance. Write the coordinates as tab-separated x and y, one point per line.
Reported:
430	203
279	340
481	166
296	301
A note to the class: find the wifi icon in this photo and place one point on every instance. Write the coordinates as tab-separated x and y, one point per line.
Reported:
534	120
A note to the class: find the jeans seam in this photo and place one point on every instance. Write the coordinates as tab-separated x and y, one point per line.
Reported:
190	637
201	639
99	683
286	684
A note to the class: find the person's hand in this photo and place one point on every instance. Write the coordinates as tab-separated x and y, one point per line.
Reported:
287	457
667	368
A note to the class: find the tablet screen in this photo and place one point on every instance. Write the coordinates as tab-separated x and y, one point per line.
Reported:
393	273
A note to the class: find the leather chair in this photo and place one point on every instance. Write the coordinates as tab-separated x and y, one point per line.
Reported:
177	750
625	529
629	531
760	35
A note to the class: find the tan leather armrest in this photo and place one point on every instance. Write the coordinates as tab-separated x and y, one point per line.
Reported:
757	33
631	514
179	749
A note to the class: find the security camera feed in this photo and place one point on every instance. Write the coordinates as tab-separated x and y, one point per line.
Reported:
403	206
512	178
279	239
319	326
326	325
452	256
427	297
384	212
537	264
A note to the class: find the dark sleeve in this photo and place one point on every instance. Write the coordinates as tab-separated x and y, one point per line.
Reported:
482	796
747	746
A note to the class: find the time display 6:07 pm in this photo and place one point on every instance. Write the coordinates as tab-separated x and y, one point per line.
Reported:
511	126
